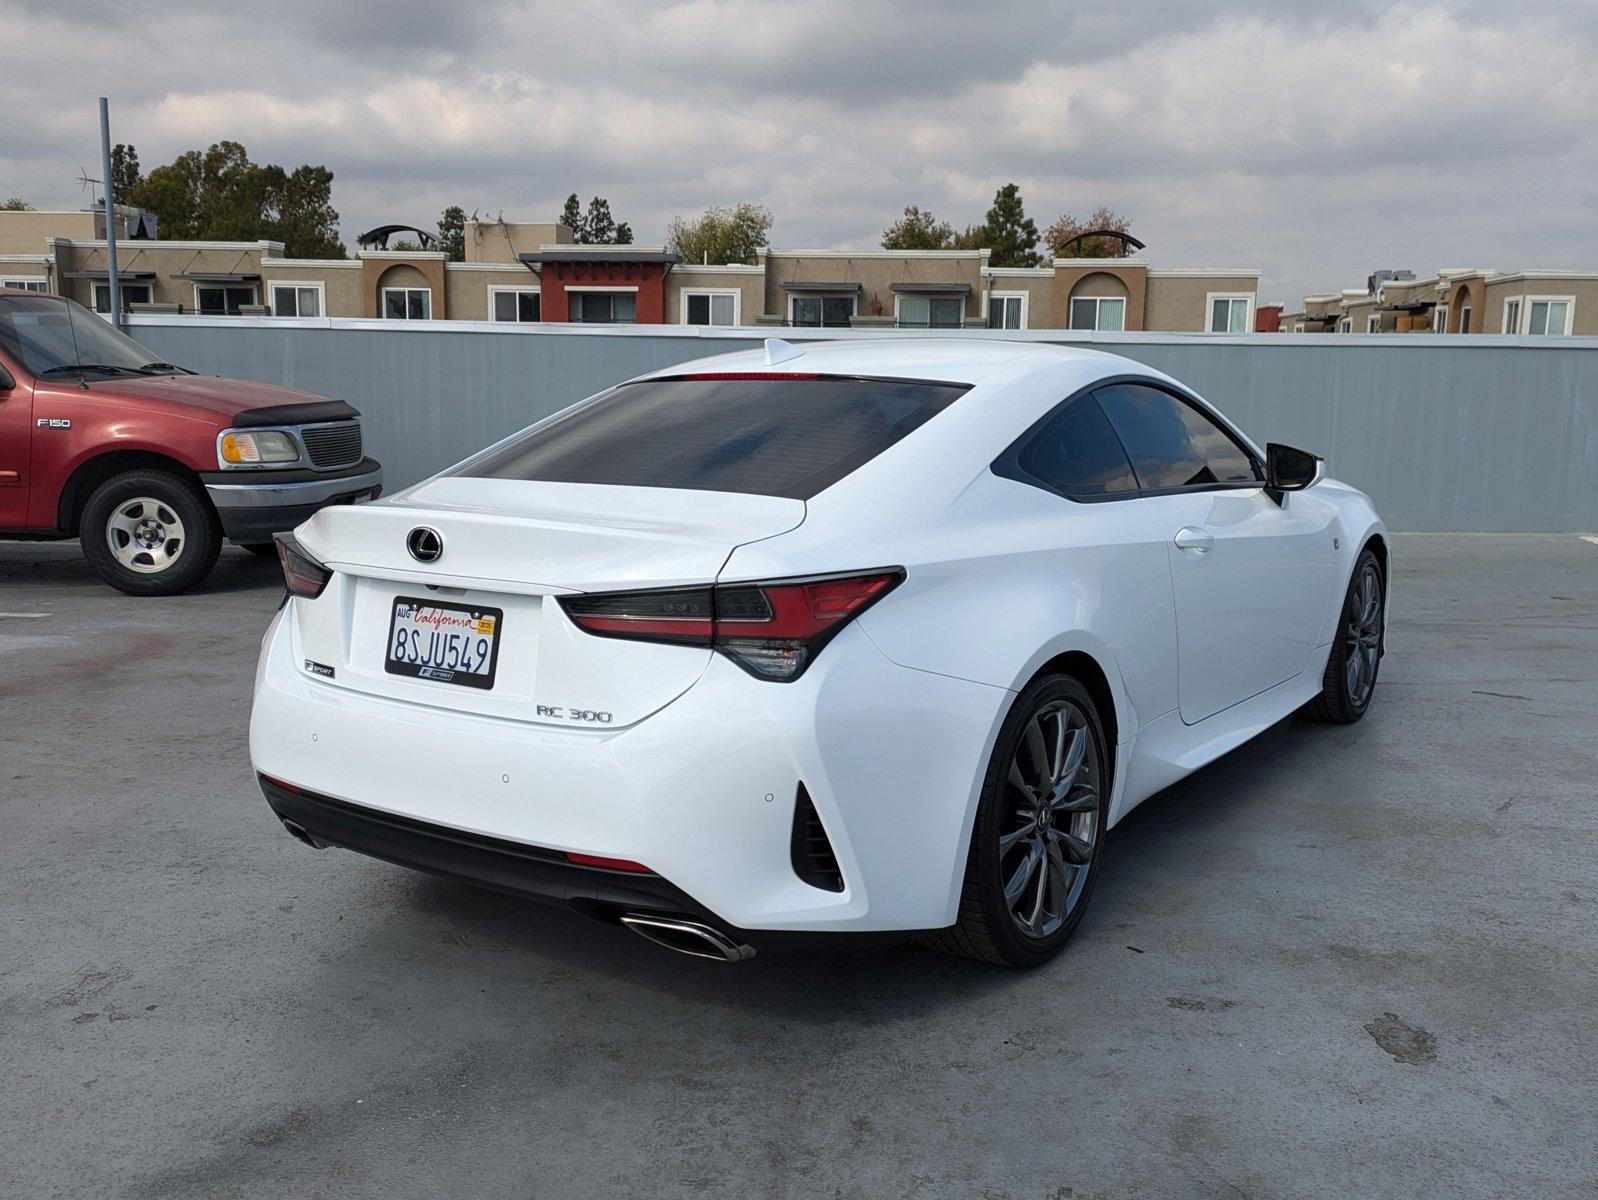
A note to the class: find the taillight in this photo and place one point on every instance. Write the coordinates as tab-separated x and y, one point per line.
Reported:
772	630
302	573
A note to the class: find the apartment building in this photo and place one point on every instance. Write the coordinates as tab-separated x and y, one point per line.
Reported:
533	272
1528	303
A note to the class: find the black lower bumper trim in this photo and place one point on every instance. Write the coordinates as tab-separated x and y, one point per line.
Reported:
518	869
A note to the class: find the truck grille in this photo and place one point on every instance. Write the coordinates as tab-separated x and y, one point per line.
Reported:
335	445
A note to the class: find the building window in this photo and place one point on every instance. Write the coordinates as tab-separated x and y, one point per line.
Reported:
1104	313
1512	316
1440	319
407	304
30	285
515	304
1006	310
1549	317
1229	314
1298	327
132	293
296	299
929	312
1346	325
827	312
710	307
604	308
1464	318
222	300
1373	324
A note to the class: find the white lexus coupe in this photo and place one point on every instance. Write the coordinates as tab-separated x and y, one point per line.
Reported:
862	640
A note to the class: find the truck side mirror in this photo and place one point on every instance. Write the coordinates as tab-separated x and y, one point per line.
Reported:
6	382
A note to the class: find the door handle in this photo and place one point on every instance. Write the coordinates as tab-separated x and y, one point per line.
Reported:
1195	542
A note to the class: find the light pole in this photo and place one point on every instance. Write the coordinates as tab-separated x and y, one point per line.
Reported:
110	213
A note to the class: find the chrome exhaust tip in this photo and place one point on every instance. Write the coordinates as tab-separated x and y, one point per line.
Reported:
688	937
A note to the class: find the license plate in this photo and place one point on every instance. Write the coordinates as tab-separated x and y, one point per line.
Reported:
444	643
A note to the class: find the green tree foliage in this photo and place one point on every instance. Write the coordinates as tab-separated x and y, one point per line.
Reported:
721	235
918	230
452	233
15	204
596	226
1008	232
220	195
124	171
1067	227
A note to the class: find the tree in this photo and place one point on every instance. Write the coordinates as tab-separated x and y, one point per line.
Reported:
452	233
721	235
1008	232
918	230
220	195
124	171
16	204
1067	227
596	226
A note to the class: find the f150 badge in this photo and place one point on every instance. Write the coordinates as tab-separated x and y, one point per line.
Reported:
53	423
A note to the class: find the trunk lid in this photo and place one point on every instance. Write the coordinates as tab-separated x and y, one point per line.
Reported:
514	546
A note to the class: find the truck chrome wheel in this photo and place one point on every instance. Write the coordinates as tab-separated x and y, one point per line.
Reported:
145	535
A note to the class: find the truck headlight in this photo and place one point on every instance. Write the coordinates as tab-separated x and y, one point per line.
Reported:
256	447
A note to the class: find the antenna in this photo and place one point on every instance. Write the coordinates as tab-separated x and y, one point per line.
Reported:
88	183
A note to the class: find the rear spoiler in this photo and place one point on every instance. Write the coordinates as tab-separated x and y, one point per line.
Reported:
307	413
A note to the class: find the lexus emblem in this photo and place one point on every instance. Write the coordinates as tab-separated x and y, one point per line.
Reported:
424	544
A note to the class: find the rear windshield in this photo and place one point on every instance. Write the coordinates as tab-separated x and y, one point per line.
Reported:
789	436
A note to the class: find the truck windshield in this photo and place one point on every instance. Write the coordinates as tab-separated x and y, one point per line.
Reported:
49	335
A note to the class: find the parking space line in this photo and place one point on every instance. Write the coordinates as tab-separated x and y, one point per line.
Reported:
23	616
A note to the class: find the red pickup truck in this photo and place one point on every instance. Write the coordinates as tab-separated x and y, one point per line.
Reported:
150	465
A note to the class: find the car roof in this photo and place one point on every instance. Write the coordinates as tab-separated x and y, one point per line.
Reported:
947	359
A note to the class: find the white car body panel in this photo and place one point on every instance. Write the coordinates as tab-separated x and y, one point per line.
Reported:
890	728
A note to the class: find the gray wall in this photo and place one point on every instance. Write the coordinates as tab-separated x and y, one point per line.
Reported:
1468	434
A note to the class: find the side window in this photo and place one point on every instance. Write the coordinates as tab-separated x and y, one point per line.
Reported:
1170	442
1074	452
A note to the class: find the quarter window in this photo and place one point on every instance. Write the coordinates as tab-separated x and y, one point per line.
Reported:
407	304
1077	453
1106	313
1172	444
516	304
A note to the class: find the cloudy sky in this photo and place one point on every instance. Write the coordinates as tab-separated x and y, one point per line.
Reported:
1316	142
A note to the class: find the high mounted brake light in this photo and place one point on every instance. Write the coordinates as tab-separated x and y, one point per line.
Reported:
303	575
785	375
771	629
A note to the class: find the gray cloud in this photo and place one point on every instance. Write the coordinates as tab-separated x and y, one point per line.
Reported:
1313	144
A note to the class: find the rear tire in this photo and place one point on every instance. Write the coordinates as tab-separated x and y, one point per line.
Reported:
1039	831
1349	683
150	533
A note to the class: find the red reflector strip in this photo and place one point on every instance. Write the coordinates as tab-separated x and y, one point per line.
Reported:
281	783
609	864
703	375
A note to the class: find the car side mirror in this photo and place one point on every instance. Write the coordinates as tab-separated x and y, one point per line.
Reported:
1288	469
6	382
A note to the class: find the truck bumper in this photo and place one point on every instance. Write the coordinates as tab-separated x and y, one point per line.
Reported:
253	509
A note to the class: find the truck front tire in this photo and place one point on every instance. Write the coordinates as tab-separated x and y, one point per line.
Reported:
150	533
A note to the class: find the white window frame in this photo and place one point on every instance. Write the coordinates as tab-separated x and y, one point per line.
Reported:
382	307
516	291
1298	327
1570	312
1231	298
94	295
1511	323
1023	297
1346	325
601	288
1440	318
929	297
1464	318
852	297
1373	324
255	290
737	303
316	285
33	283
1098	301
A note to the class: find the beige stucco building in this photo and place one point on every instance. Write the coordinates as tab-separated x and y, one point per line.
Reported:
531	271
1528	303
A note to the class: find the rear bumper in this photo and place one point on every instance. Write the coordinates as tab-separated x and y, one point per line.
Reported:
253	508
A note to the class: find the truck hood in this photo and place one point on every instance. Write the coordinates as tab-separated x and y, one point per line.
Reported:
202	395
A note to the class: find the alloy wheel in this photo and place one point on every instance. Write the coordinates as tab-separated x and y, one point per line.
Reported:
145	535
1046	854
1362	635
